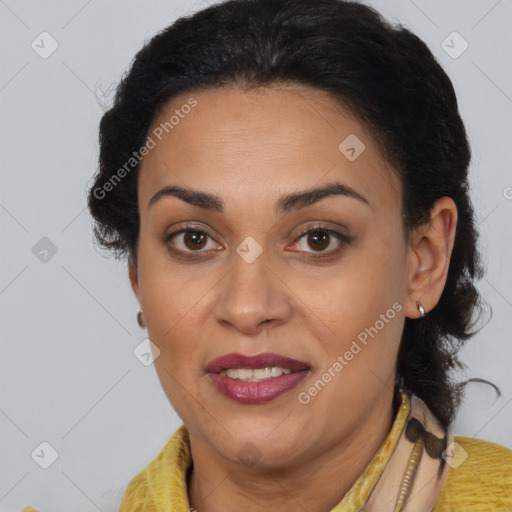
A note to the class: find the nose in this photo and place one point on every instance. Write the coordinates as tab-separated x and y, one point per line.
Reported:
252	296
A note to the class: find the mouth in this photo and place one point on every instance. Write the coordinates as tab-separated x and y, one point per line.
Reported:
256	379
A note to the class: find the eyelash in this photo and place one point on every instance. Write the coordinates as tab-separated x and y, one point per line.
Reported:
343	239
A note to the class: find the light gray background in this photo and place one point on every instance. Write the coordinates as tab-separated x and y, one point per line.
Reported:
68	374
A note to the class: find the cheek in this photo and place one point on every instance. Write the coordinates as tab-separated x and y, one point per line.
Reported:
173	325
361	304
168	293
365	284
169	306
173	320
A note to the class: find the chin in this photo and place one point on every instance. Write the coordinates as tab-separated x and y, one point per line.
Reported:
260	453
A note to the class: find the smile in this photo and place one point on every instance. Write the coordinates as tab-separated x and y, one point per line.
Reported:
256	379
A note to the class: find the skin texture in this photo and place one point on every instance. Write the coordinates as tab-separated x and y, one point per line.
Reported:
250	147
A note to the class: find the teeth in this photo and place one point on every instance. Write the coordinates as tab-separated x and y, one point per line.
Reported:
276	372
232	373
244	374
255	375
261	373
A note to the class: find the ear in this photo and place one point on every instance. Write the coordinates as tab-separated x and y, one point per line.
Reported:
428	257
133	274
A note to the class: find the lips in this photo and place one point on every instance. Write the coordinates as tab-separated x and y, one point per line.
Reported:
252	362
256	392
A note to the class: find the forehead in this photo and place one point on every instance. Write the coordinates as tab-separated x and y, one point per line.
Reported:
262	141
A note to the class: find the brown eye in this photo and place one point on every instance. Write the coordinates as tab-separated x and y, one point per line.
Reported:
321	241
190	242
318	239
194	240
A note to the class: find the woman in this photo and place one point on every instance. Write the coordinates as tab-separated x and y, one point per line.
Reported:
288	181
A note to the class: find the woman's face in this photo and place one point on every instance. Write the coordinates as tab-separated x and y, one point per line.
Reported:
242	275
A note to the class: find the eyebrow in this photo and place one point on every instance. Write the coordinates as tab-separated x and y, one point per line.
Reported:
285	204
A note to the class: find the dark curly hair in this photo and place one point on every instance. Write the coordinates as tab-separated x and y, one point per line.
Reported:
384	74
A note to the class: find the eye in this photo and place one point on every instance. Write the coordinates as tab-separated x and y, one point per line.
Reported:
320	238
189	240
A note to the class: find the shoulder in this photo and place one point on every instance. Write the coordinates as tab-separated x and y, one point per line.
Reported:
480	477
161	485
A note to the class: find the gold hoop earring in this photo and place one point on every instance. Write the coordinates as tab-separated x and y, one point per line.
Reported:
421	309
140	319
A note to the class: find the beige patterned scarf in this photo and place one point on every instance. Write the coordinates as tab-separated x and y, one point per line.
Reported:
408	471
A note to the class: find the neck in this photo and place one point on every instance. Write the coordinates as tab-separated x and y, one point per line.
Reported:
318	483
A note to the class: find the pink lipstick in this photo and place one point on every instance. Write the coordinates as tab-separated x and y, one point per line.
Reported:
256	379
